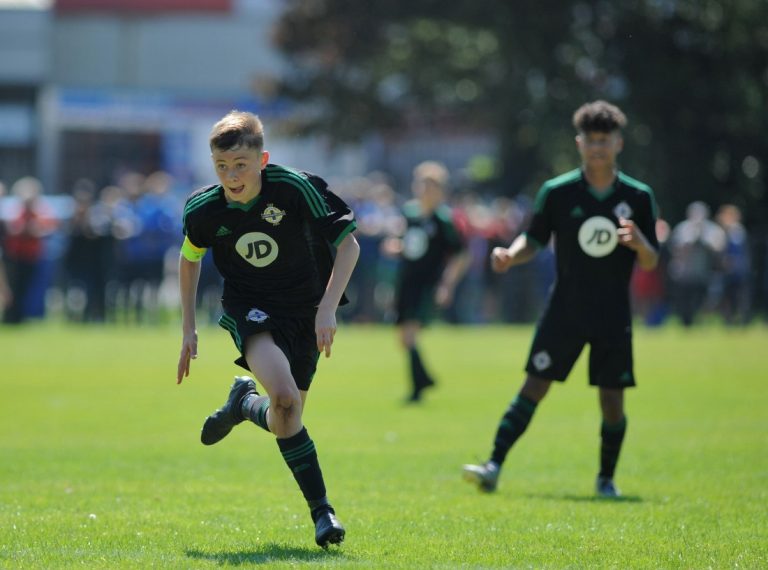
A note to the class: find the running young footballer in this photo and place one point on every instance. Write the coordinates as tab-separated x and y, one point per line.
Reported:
602	222
433	261
271	230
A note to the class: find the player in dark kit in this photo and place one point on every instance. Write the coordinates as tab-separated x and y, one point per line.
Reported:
271	230
602	222
433	261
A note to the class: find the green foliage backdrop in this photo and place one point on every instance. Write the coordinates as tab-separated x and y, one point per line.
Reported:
692	76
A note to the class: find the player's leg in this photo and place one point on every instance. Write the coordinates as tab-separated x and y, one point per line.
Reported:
552	355
420	379
611	370
255	408
283	416
513	424
612	431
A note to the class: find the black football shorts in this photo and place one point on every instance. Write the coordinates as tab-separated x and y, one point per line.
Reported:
555	349
295	336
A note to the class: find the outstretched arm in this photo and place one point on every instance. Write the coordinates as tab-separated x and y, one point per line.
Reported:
189	275
347	253
521	251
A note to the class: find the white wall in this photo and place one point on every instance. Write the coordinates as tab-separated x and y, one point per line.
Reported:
24	46
200	53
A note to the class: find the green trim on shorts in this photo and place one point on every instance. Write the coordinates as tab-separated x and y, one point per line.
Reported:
228	323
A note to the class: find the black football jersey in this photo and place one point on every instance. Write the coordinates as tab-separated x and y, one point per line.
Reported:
593	270
274	252
429	241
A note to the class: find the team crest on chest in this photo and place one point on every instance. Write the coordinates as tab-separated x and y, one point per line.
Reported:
273	214
622	210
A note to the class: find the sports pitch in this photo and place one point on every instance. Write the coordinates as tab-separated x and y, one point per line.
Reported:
101	465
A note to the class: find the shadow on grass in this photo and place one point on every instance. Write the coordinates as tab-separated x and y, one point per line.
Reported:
589	498
265	554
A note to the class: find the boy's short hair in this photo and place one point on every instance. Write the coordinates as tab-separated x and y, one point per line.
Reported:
433	171
237	129
599	116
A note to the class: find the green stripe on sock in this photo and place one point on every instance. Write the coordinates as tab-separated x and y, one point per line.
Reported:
261	415
298	452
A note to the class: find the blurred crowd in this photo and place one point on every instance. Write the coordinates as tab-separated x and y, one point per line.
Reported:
110	255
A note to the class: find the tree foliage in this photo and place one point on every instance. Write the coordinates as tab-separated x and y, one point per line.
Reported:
692	75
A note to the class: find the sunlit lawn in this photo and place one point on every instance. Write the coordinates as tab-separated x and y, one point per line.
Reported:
101	465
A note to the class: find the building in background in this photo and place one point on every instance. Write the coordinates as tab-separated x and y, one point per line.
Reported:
25	69
93	88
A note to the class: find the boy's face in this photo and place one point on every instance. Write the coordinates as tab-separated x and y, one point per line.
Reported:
599	149
428	191
239	172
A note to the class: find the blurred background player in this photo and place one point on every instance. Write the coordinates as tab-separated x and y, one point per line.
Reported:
695	246
432	261
271	230
602	222
736	267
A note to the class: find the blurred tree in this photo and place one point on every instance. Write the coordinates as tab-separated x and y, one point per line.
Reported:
691	75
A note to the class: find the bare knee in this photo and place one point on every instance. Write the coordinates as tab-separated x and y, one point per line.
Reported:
612	404
408	332
535	388
285	404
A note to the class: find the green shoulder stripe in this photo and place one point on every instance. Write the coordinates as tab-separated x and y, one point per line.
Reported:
412	209
445	214
549	185
203	198
643	187
316	203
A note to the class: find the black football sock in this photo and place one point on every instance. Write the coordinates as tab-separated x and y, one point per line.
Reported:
511	427
300	456
419	375
611	438
254	408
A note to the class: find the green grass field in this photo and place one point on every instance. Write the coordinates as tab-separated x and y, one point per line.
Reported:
101	465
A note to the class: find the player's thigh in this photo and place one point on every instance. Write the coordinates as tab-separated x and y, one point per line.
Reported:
270	366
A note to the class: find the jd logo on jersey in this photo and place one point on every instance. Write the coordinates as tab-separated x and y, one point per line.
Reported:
257	248
597	236
415	243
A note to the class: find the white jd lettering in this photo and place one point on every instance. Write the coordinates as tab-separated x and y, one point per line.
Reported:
600	237
597	236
